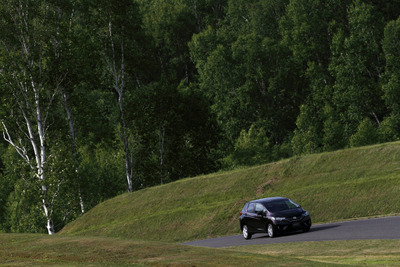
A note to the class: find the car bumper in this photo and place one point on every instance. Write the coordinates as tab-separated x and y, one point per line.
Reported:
293	224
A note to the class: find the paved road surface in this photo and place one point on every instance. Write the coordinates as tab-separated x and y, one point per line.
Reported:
377	228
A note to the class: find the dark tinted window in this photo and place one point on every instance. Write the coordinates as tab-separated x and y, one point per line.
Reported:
278	205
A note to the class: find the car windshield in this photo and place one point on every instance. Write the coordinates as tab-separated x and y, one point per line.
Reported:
278	205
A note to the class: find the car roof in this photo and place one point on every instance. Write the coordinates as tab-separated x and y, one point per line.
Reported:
268	199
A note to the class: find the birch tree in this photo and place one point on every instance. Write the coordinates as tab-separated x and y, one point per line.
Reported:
117	26
26	48
67	29
119	80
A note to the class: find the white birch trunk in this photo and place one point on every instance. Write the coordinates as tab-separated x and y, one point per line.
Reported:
75	152
26	92
41	159
119	86
39	151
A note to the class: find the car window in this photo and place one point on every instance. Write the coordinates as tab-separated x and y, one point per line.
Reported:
259	207
279	205
251	208
245	207
291	204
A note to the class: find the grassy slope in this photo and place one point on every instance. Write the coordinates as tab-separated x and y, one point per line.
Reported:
353	252
333	186
42	250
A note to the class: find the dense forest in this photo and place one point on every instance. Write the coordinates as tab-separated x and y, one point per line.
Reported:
102	97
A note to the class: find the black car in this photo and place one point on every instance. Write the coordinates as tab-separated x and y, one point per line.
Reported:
273	215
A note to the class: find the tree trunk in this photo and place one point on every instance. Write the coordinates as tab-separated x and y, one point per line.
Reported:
74	149
119	86
124	137
161	143
41	157
37	141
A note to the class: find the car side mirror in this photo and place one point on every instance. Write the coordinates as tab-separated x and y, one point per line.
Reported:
261	213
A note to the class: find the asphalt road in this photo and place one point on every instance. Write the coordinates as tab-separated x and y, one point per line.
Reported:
376	228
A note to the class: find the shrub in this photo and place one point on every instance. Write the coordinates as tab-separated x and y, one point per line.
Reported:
367	134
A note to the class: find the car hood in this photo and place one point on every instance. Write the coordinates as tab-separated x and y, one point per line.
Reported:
288	213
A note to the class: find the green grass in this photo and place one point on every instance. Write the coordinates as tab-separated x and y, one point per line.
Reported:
346	184
43	250
353	252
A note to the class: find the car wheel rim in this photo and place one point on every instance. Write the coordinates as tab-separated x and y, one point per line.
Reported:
270	230
245	233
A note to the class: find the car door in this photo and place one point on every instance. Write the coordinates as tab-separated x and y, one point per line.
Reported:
260	220
255	218
251	217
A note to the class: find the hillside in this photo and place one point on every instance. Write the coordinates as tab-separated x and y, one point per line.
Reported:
340	185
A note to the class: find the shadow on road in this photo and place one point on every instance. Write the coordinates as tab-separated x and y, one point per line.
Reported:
323	227
315	228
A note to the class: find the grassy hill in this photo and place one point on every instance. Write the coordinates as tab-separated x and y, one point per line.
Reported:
345	184
44	250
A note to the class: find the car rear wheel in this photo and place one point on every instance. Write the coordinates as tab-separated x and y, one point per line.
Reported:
271	230
245	232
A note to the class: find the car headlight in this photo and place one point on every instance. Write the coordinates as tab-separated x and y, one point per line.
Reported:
278	218
306	214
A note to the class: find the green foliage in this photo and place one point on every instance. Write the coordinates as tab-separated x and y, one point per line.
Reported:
102	173
306	138
389	129
333	132
246	73
251	148
23	208
391	87
305	26
8	159
20	205
357	65
177	126
366	134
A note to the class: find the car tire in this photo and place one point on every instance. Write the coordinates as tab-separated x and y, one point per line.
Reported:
271	230
307	226
245	232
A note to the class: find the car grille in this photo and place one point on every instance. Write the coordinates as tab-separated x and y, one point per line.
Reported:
294	218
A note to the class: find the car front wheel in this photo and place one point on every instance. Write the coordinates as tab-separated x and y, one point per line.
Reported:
245	232
307	226
271	230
